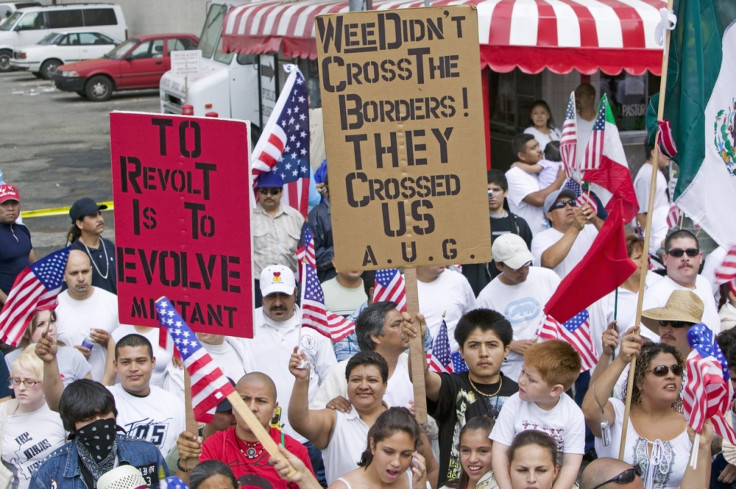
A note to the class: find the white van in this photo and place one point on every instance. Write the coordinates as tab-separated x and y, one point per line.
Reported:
30	25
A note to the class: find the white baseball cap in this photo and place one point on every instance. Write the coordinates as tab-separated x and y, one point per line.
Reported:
511	250
277	278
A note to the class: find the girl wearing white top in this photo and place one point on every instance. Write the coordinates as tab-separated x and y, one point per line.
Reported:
541	124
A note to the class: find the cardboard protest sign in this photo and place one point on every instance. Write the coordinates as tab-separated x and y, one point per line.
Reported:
404	134
182	220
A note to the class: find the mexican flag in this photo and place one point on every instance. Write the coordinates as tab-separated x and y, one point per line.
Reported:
700	102
612	172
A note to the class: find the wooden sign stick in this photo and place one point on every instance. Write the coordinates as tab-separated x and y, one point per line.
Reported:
191	424
416	348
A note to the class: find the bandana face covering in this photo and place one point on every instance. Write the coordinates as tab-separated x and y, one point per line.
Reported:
96	445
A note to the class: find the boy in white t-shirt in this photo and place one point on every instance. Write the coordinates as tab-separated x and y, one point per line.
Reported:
548	168
550	368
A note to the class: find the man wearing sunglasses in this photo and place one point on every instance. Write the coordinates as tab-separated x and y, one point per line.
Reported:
682	258
571	233
276	229
673	321
611	473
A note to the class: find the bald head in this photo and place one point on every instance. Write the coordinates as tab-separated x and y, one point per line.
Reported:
260	379
78	275
604	469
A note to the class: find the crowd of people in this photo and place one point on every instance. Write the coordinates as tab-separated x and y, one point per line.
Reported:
86	398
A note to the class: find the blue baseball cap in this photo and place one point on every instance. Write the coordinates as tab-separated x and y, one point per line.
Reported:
271	179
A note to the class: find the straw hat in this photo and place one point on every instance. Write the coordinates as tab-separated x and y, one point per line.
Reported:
122	477
683	305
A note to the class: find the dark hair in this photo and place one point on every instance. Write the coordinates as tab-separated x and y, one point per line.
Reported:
134	340
74	234
552	151
534	437
370	322
389	422
644	360
369	281
84	399
648	148
541	103
478	423
727	342
633	240
367	358
204	470
518	143
485	320
498	177
680	233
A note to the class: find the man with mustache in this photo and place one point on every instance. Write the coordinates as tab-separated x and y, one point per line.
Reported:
683	258
86	235
277	332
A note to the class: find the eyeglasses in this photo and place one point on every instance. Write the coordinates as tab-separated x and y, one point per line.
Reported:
625	477
674	324
15	382
269	191
678	252
562	204
662	370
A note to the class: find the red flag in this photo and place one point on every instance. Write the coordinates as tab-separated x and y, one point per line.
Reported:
314	313
602	269
209	384
36	287
284	144
575	331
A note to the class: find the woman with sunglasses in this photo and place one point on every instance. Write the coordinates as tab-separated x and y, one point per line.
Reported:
657	439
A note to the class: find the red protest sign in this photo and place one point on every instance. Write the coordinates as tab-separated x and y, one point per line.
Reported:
182	226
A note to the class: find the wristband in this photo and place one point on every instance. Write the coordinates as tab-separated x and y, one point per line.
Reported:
179	466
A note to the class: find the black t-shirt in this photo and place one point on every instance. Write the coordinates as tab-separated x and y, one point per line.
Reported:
458	402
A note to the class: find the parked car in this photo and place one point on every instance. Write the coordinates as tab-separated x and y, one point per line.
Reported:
134	64
29	25
7	8
60	48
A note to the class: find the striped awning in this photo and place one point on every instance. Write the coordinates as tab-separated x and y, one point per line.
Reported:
560	35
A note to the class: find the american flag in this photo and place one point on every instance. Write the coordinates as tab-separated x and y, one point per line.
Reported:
569	137
582	197
284	143
458	364
592	155
575	331
209	384
36	287
673	216
726	271
314	313
439	357
306	252
389	286
173	482
708	392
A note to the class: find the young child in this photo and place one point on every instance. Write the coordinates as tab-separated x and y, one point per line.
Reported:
484	337
547	168
550	368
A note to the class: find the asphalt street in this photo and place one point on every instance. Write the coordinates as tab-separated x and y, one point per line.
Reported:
55	147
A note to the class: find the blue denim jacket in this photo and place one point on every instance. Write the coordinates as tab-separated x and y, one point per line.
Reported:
61	469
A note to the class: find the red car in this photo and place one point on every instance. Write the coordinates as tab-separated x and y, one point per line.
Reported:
137	63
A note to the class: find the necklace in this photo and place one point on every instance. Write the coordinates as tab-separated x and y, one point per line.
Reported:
500	384
94	262
250	452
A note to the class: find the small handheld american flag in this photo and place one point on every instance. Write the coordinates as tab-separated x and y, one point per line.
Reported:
314	313
592	155
439	357
390	286
569	138
575	331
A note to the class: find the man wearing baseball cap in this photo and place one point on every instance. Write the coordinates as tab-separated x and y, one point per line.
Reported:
276	228
570	235
16	249
86	235
277	332
520	293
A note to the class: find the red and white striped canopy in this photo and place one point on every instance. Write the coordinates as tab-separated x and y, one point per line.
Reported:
561	35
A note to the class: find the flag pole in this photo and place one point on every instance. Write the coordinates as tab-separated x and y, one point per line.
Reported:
647	230
191	423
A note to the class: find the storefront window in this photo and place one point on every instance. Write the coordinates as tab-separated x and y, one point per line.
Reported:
628	95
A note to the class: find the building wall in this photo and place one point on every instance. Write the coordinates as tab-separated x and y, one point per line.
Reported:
158	16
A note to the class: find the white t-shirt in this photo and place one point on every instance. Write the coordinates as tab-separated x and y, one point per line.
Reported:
522	184
162	356
341	300
269	352
157	418
75	319
565	423
579	248
658	293
449	294
229	356
346	445
28	439
625	313
399	389
642	182
523	305
549	173
72	364
542	138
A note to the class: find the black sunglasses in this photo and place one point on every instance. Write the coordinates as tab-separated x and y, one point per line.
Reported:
562	204
269	191
674	324
625	477
662	370
678	252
